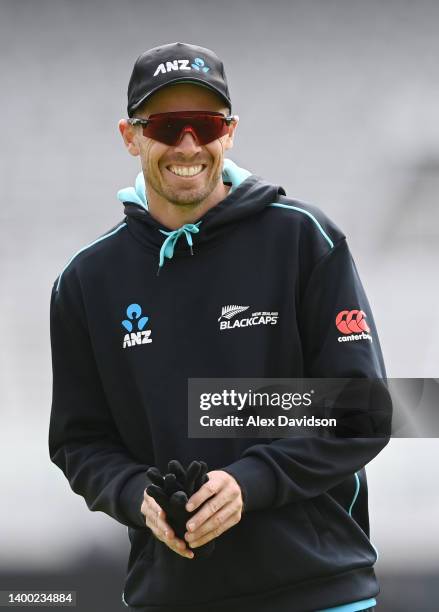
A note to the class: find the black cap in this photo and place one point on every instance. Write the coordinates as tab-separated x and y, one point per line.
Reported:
175	63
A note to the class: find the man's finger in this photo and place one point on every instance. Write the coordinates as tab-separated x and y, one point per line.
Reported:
211	507
179	547
231	521
165	529
155	518
216	521
209	489
162	526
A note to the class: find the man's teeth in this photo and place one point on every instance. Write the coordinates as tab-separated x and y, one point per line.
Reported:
186	170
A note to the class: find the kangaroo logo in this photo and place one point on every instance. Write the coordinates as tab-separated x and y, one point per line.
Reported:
134	314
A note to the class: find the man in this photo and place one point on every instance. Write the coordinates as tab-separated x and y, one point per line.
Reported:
138	312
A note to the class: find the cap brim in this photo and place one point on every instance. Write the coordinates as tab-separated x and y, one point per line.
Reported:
177	80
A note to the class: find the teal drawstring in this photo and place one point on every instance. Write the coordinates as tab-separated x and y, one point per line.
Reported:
167	248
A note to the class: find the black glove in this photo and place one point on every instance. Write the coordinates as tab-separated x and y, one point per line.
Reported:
172	492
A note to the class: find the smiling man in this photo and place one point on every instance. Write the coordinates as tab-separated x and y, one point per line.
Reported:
141	310
184	180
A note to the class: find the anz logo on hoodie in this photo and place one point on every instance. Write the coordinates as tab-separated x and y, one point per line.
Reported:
135	326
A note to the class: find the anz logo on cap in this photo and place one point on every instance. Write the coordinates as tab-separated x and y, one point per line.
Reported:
182	64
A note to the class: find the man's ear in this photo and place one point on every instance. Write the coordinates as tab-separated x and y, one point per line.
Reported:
229	137
128	133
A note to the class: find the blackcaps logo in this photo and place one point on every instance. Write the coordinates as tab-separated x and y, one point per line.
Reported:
256	318
352	323
134	314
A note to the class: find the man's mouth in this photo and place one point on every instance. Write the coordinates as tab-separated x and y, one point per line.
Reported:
186	171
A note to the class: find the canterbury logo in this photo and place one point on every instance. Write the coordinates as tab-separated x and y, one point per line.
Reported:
227	312
351	322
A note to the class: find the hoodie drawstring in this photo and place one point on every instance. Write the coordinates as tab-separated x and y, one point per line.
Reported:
167	248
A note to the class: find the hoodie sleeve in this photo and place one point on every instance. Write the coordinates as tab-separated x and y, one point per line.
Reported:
294	469
83	439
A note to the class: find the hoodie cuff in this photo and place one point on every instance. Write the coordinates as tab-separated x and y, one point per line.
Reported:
131	498
257	482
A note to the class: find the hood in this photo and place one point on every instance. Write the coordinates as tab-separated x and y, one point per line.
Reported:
248	195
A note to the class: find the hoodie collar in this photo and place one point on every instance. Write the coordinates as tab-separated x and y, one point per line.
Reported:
137	195
248	195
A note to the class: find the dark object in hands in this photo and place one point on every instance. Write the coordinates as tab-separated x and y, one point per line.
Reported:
172	492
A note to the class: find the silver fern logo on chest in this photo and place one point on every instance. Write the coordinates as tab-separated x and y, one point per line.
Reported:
227	312
229	320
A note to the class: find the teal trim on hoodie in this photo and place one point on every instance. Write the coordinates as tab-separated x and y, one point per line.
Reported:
355	606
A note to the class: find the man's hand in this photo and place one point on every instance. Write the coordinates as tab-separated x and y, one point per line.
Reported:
222	511
155	519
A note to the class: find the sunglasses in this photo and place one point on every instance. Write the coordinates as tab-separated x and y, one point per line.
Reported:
169	128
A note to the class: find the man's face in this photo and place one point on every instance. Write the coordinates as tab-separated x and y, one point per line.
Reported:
161	163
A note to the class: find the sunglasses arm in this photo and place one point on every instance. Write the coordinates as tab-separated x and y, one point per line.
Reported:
137	121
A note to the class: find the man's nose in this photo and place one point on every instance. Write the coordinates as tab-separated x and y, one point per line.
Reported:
188	141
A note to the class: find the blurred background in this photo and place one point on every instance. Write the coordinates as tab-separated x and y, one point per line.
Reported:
338	102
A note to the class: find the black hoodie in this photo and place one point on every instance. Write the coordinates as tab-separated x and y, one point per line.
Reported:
125	340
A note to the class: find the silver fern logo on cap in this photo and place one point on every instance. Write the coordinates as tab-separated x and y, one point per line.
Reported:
227	312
